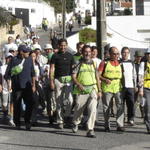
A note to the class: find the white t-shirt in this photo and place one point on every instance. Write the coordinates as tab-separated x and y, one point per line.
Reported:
97	61
37	71
129	74
7	47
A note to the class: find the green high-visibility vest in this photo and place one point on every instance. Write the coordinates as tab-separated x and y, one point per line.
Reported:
86	76
147	76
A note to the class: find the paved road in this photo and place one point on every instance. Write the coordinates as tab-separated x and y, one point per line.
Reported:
44	137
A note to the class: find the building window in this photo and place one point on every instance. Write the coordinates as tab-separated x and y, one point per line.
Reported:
10	9
87	1
32	10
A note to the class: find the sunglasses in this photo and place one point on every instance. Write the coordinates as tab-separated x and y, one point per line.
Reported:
115	53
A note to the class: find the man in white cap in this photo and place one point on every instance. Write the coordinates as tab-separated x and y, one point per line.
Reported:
144	83
48	51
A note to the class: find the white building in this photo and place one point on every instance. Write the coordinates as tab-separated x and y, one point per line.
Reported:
84	6
31	11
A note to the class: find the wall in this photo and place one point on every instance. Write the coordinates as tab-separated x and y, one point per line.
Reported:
72	41
82	6
128	31
42	10
4	33
147	8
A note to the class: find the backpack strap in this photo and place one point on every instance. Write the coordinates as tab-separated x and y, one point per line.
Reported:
105	64
145	65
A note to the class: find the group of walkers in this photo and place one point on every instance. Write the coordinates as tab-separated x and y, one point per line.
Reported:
69	87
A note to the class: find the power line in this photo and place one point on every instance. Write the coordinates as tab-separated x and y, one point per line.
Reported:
126	36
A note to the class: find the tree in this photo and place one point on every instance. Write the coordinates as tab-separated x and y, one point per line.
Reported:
5	17
57	4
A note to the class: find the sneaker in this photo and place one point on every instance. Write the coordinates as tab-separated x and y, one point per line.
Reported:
5	119
91	134
17	127
75	128
34	123
60	126
121	129
11	123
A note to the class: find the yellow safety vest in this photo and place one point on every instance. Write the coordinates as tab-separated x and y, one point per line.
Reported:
86	77
147	76
113	73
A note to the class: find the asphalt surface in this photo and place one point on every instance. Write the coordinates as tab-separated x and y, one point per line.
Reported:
45	137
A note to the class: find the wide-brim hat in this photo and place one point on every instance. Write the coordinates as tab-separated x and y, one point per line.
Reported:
48	46
139	53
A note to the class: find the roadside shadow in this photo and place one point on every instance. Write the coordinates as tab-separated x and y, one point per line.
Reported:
39	146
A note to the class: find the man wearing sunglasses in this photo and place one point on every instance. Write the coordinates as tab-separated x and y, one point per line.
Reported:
111	76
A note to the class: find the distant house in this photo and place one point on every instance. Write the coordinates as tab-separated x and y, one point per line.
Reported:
85	7
31	11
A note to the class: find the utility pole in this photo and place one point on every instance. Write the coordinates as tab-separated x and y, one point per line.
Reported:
94	8
112	7
101	27
64	19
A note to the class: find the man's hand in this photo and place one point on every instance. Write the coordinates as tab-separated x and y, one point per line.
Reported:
1	89
99	94
141	93
33	88
108	81
81	87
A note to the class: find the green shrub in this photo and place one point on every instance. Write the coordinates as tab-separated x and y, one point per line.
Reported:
87	35
127	11
88	20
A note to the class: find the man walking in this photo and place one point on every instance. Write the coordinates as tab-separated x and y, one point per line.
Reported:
87	86
21	72
111	76
60	80
129	81
144	82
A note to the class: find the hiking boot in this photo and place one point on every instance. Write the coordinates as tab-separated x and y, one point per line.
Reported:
75	128
121	129
28	126
91	134
131	122
60	126
107	129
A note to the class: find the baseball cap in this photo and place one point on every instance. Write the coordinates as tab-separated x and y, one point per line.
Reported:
8	55
48	46
24	48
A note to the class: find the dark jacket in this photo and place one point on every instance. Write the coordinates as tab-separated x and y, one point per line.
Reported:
23	79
